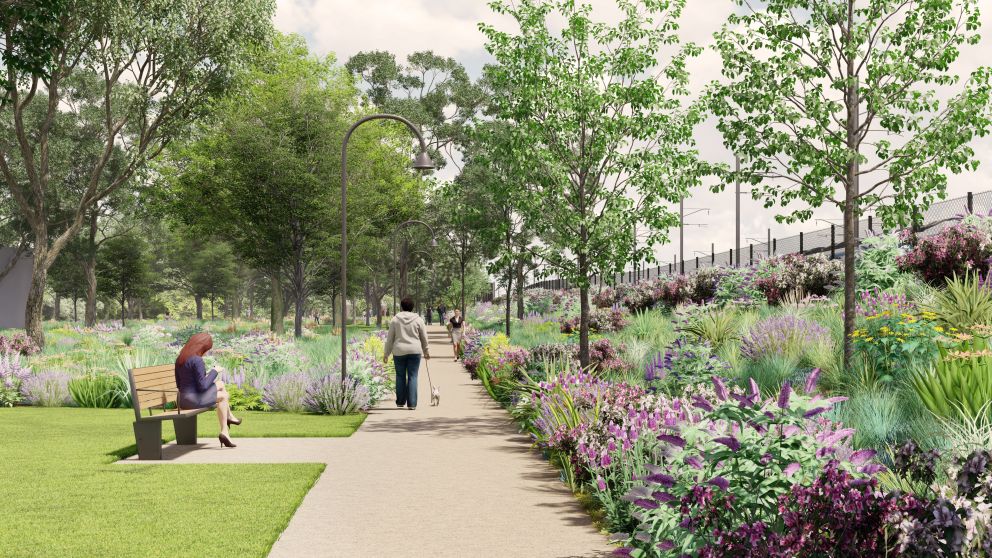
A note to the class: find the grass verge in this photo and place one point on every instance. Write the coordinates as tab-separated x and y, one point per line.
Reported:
64	496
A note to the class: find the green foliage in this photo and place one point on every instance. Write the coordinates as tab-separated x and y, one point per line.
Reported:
653	327
850	105
716	327
257	176
877	415
967	301
130	78
876	266
770	371
432	91
123	270
897	342
959	384
592	165
246	398
103	391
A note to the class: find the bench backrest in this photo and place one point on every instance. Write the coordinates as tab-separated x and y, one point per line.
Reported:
152	387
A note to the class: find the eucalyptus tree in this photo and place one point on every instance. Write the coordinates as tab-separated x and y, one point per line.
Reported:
434	92
261	174
597	130
852	104
160	62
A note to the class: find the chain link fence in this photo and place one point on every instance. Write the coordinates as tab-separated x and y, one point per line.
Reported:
828	241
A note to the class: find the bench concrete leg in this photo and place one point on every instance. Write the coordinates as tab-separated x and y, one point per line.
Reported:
185	430
148	436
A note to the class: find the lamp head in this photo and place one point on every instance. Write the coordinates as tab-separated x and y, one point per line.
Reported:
433	243
423	162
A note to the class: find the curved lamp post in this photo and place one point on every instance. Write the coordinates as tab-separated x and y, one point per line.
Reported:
421	162
400	227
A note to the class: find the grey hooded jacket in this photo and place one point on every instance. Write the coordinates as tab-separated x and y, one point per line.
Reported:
407	335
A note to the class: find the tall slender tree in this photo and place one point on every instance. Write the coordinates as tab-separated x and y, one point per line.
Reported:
853	104
597	129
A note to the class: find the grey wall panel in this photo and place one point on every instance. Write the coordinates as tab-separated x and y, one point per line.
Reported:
14	290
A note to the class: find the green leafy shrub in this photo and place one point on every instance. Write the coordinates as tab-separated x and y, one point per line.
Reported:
965	302
716	327
102	391
959	384
877	264
893	334
246	398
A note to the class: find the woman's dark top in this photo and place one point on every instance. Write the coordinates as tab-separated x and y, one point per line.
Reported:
456	323
196	388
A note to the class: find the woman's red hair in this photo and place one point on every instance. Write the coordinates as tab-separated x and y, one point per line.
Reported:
198	345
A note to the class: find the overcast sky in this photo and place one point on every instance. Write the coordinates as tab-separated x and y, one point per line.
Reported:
450	28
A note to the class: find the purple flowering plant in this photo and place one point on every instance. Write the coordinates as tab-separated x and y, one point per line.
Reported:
684	363
745	450
785	335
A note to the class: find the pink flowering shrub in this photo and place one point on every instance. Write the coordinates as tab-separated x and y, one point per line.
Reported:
954	250
600	321
605	357
17	343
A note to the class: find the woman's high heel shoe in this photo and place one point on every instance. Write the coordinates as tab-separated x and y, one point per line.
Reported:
233	422
226	442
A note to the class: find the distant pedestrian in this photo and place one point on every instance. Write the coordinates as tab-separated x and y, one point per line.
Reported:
441	311
407	342
429	314
456	325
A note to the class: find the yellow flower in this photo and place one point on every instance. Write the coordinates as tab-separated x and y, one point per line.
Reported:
938	329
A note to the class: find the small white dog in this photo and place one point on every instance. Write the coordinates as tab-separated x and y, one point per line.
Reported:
435	396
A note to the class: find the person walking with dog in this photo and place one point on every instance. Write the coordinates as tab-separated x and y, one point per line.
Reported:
407	342
456	326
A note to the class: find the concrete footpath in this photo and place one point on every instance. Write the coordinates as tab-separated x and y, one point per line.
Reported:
454	480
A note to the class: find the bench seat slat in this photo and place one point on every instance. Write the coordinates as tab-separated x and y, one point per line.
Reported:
155	377
139	372
173	415
164	383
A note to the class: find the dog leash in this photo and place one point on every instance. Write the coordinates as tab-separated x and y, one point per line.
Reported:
428	368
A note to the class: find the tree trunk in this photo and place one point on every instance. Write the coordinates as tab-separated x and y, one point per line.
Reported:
33	310
298	320
583	313
275	321
141	311
520	289
334	309
851	205
199	306
211	308
509	299
463	287
57	308
75	302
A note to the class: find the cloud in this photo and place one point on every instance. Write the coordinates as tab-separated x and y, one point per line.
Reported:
450	28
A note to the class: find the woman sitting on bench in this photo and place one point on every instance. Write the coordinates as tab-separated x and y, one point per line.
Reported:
198	389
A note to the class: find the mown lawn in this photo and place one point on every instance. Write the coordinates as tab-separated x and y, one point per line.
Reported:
62	495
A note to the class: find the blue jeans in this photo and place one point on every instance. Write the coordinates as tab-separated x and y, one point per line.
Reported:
407	367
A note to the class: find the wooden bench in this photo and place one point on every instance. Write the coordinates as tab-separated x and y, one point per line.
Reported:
154	387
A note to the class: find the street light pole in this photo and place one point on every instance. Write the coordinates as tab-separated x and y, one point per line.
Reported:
422	161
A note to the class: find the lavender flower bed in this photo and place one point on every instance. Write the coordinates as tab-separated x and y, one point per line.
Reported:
783	336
